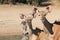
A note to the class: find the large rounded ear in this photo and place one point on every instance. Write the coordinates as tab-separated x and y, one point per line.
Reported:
22	16
48	8
35	8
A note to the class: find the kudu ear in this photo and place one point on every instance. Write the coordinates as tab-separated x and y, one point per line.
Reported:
48	8
22	15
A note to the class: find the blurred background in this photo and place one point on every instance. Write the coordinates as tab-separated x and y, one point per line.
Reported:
31	2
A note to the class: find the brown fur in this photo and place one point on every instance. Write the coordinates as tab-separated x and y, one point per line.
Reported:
42	36
56	29
56	32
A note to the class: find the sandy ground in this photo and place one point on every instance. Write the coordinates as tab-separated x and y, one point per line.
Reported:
9	18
